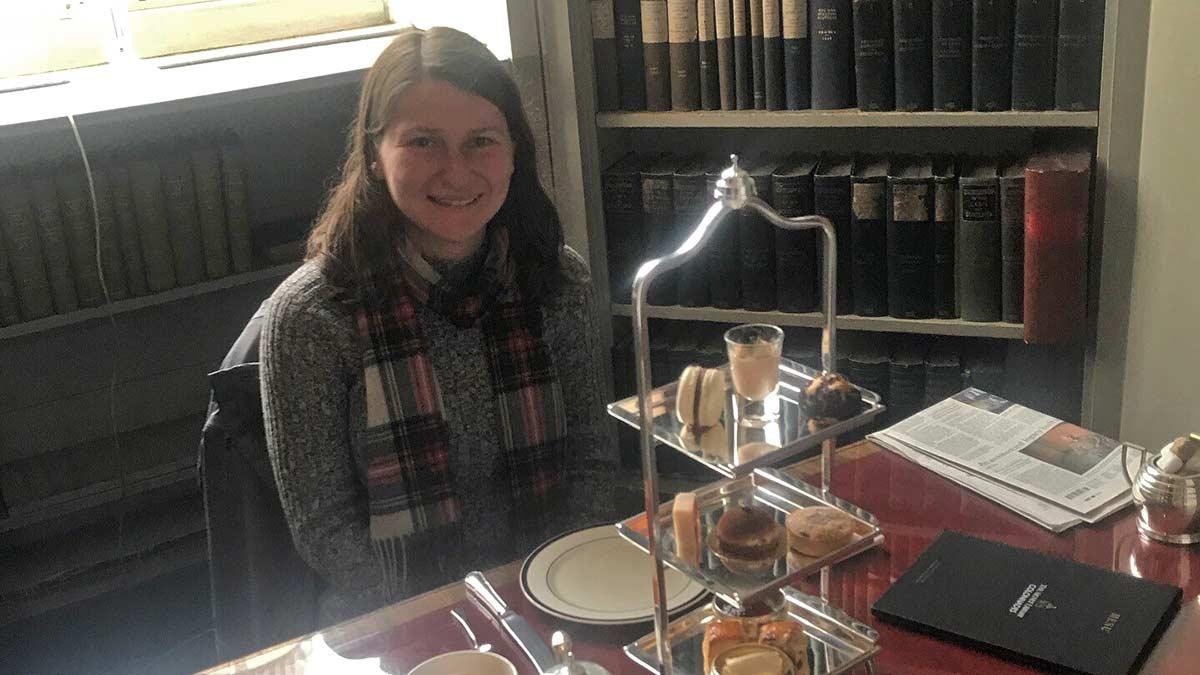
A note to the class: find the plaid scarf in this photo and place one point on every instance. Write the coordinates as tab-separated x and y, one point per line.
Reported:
410	484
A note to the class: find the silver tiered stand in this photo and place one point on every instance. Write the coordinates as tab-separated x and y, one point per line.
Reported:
734	191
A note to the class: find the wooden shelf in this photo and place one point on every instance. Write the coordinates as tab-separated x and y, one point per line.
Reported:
881	324
141	302
775	119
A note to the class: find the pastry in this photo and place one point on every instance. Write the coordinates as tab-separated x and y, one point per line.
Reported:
752	659
700	396
720	636
686	516
747	540
818	530
829	399
789	637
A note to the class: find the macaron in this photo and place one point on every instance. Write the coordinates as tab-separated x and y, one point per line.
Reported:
700	396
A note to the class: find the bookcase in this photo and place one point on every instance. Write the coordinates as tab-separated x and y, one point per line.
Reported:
1083	380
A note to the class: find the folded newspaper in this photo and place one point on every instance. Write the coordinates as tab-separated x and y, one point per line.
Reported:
1052	472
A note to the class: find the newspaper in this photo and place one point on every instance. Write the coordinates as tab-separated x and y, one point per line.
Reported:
1052	472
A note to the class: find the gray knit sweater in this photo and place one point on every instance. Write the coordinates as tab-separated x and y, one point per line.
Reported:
313	406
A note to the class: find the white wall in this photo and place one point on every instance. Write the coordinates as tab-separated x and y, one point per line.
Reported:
485	20
1162	374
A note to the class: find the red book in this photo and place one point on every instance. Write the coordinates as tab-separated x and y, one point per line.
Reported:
1056	221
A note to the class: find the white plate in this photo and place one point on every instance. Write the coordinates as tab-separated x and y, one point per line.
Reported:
593	576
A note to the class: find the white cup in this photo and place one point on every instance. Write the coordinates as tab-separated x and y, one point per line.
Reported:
468	662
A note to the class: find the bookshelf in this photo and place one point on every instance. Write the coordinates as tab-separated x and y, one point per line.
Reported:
806	119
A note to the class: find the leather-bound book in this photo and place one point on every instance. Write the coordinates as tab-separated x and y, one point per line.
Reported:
977	254
723	21
912	23
10	310
1012	240
1080	36
621	189
757	238
773	70
110	238
906	381
873	74
658	218
869	240
910	238
757	65
1056	230
831	26
631	69
743	58
127	227
55	248
691	199
656	48
76	206
951	31
991	55
797	55
831	198
23	247
796	270
1034	29
210	207
184	223
722	256
604	55
710	78
235	183
945	206
868	365
685	54
943	371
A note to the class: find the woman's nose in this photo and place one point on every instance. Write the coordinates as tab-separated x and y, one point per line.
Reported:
456	167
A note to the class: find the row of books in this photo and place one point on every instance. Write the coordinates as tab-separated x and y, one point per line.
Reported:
167	216
918	237
910	55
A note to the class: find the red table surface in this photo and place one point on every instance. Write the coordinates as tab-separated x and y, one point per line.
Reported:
913	506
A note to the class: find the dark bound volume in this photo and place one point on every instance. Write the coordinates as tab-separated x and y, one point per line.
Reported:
1056	225
831	198
604	55
692	199
621	186
867	366
1012	240
873	54
773	70
237	205
656	47
977	254
685	54
910	239
54	243
912	22
658	221
76	204
757	238
1037	608
722	255
868	241
797	57
951	55
1080	35
631	69
795	251
906	381
943	371
945	206
206	168
832	31
127	227
1034	28
710	79
991	55
110	238
757	64
187	247
723	20
10	313
743	68
19	229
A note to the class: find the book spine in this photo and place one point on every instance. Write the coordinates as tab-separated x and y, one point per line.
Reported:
991	55
75	204
951	55
743	66
978	249
210	207
723	20
795	250
906	386
684	47
913	22
54	244
604	55
145	177
757	254
797	57
237	206
832	54
831	198
658	213
873	54
10	311
127	229
1012	247
186	244
710	79
657	47
1034	29
631	69
723	262
24	249
110	238
690	203
942	382
1080	36
1056	213
623	226
869	237
773	70
910	248
757	58
945	205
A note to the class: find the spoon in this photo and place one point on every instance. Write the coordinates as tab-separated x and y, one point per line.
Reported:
486	647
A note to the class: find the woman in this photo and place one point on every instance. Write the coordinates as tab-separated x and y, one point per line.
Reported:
429	380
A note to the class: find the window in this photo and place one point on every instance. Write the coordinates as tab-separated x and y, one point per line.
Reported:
42	36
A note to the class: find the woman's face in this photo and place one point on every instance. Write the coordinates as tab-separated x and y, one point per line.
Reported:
447	157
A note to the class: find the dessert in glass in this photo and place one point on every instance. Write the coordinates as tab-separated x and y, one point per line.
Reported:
754	350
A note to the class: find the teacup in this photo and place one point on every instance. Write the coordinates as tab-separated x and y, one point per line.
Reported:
467	662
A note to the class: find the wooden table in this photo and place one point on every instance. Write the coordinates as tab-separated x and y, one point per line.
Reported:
913	505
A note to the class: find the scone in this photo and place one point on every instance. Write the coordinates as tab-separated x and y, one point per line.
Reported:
700	396
789	637
720	636
818	530
829	399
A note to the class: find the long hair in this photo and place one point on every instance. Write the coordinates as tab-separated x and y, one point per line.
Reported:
359	227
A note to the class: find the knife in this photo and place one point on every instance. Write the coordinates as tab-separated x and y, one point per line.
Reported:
514	624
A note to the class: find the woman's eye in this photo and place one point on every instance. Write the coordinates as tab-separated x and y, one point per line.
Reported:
421	142
485	141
